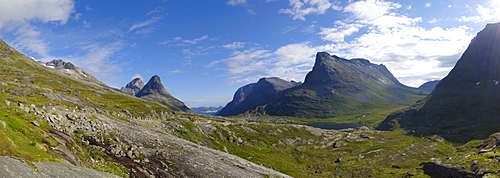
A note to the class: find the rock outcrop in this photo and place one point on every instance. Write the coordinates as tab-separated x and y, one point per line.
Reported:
465	105
44	169
255	93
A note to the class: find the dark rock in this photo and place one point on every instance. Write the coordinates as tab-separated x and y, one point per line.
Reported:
436	170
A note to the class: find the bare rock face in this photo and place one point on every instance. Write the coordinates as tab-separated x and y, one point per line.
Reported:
14	168
155	91
133	87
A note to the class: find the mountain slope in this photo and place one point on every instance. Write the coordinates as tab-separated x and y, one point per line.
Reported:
429	86
337	86
465	105
47	115
255	93
154	91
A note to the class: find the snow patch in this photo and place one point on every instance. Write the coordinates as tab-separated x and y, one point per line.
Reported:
478	83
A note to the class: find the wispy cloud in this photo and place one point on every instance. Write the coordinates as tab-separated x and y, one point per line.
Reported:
179	41
234	45
301	8
145	23
243	3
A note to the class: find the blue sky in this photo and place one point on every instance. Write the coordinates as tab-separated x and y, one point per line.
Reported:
204	50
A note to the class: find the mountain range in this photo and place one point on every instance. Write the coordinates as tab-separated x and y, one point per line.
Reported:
335	87
57	121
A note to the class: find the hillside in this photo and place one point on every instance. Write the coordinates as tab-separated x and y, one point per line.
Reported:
465	105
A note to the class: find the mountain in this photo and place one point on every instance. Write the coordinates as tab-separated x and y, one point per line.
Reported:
429	86
338	86
54	124
211	111
465	104
71	70
154	91
255	93
133	87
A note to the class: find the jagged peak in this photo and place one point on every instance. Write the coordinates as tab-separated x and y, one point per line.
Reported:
154	86
60	64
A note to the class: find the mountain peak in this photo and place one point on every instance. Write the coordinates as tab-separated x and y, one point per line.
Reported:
338	72
134	86
59	64
154	86
155	91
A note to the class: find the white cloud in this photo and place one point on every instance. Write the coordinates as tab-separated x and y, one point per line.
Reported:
301	8
428	4
234	45
16	17
39	10
339	33
368	10
290	62
484	14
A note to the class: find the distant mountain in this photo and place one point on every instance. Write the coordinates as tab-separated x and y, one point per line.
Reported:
429	86
133	87
255	93
211	111
71	70
338	86
465	105
154	91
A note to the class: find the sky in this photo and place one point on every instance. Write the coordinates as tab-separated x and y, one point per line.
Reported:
204	51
